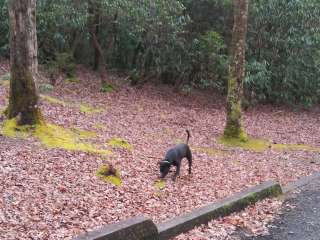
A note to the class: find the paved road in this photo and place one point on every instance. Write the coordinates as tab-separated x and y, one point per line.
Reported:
301	222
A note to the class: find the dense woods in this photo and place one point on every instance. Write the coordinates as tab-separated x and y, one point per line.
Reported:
183	43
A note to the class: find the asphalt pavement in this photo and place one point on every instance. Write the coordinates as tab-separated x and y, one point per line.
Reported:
300	222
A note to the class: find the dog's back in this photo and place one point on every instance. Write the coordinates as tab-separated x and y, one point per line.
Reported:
177	152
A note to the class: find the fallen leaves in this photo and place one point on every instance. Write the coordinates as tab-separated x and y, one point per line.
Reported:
252	221
52	194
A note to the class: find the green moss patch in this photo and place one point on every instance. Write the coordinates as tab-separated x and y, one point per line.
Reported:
83	107
11	129
99	126
107	87
89	110
159	184
84	133
251	144
53	136
109	174
72	80
210	151
119	143
262	145
294	147
53	100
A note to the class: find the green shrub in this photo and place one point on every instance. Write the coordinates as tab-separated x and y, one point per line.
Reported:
283	51
63	62
186	43
106	87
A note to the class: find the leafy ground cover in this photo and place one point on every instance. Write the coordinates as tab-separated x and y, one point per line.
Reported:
53	193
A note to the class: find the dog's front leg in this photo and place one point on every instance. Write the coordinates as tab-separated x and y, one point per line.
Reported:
177	172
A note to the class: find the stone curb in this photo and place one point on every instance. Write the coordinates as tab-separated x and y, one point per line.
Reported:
222	208
301	182
138	228
141	228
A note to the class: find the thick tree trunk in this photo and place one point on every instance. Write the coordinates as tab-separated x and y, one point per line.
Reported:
234	128
23	99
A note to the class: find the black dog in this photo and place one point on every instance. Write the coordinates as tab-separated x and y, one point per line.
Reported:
174	157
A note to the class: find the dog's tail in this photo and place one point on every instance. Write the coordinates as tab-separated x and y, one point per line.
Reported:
188	133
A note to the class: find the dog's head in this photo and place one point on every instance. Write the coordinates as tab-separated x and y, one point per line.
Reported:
164	168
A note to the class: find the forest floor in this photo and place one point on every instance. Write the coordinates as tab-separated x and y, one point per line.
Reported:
52	193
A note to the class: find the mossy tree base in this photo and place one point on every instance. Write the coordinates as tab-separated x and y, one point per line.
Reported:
234	128
231	132
23	99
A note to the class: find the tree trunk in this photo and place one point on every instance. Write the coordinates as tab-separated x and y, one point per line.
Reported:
23	99
93	27
234	128
77	34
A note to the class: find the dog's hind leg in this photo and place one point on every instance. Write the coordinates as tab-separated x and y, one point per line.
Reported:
189	157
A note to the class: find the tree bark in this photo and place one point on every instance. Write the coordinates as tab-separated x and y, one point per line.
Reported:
77	34
23	99
234	128
93	27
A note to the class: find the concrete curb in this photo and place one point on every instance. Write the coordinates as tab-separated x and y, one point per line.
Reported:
141	228
222	208
301	182
138	228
